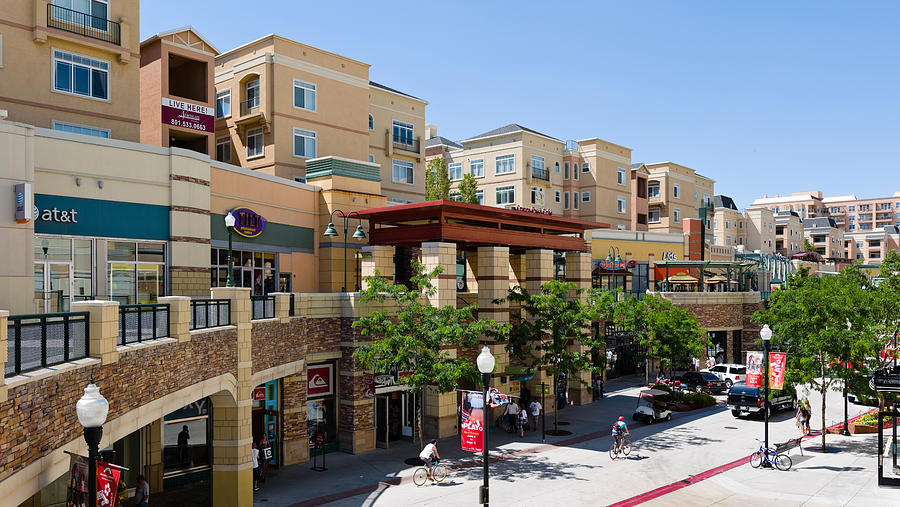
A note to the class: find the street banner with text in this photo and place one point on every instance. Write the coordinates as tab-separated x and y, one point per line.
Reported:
754	369
472	416
777	364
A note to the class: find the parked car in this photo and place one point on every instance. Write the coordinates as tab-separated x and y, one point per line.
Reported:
703	382
745	400
730	373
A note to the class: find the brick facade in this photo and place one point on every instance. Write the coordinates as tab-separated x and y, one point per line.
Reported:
189	281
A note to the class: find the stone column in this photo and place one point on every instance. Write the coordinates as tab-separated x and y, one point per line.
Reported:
179	317
444	255
232	474
493	283
293	423
153	470
578	271
282	306
104	328
356	422
4	352
380	259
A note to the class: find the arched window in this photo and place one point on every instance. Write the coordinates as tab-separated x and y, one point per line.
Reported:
371	122
557	167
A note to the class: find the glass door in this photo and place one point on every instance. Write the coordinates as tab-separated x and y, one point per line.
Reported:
409	413
52	287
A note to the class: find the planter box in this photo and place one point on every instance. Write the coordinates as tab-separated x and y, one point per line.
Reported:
861	429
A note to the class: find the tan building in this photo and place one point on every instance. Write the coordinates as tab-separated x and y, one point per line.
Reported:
760	224
602	186
71	66
728	223
788	233
826	237
396	125
675	192
871	246
849	212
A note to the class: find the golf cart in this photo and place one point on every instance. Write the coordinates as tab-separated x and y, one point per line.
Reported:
649	409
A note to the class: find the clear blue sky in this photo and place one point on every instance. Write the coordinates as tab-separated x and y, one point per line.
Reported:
763	97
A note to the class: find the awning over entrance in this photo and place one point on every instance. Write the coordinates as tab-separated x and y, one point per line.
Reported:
472	225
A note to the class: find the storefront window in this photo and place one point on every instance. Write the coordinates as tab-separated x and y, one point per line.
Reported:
256	270
321	413
136	271
186	439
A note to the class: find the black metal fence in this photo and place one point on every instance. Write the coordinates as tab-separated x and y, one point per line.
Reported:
143	322
262	307
206	313
81	23
40	340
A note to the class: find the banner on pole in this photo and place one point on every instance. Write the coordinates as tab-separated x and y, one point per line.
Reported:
472	425
754	369
77	490
108	476
777	365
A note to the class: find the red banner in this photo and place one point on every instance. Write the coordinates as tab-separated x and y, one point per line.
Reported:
777	365
107	484
370	385
754	369
472	415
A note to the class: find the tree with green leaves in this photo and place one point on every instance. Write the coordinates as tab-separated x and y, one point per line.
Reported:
807	246
885	316
413	336
551	320
664	331
468	189
437	180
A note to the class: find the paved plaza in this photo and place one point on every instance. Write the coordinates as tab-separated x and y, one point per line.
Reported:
685	457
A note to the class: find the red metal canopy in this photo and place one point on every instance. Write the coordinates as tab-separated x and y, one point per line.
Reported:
473	225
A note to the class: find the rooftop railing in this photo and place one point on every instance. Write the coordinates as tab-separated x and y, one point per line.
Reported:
81	23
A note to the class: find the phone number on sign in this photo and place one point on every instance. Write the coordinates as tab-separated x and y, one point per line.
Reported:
188	125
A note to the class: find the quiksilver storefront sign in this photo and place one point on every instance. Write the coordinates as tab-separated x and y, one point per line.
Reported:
247	222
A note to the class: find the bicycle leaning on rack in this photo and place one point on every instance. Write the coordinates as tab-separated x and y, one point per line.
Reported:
623	448
436	471
771	457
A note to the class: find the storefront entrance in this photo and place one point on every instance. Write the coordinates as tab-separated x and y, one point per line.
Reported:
395	410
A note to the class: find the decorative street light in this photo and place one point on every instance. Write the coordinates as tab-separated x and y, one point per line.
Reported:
229	225
846	432
92	409
486	366
359	234
766	334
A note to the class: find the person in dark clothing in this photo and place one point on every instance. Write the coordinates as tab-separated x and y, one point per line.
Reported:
183	437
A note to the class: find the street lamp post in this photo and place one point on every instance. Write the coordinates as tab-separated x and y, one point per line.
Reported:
92	409
846	432
359	234
486	367
766	334
229	226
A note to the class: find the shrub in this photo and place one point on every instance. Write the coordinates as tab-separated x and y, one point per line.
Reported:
872	420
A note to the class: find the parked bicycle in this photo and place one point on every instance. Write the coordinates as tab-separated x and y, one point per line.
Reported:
624	447
436	471
769	456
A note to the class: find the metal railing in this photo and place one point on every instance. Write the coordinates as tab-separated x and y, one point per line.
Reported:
138	323
764	294
81	23
540	174
207	313
249	107
262	307
406	144
41	340
291	310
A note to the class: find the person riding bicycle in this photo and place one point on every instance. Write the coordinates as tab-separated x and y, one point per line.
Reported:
426	454
619	431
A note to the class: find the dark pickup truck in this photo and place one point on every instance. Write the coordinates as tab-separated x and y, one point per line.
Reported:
749	400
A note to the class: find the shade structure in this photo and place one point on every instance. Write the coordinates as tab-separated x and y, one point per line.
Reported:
717	279
681	279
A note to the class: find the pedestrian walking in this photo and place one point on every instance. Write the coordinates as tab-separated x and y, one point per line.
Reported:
254	458
805	414
265	450
535	408
141	492
182	445
523	420
512	415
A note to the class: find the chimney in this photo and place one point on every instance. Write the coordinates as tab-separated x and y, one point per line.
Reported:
430	131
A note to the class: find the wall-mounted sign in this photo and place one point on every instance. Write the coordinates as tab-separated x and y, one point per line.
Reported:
179	113
247	222
539	211
57	214
612	264
369	391
259	393
320	380
24	202
669	256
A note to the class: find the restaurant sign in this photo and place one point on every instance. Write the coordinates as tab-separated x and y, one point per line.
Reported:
247	222
180	113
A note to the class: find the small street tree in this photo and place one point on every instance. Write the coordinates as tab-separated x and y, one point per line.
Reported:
885	316
413	336
552	320
468	188
437	180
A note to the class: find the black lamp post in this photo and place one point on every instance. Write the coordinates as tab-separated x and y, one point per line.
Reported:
229	226
766	334
92	409
359	234
846	432
486	366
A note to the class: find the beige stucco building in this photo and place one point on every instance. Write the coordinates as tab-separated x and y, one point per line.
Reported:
826	237
760	224
71	67
675	192
396	127
728	222
788	233
849	212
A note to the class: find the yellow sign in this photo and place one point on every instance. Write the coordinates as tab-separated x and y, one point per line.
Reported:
515	388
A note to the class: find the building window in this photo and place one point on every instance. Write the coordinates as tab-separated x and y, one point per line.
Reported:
706	199
80	75
696	196
403	133
298	179
223	103
653	189
620	176
575	171
136	271
851	208
585	167
255	147
715	223
740	241
538	167
653	215
741	225
565	200
223	149
621	204
476	167
576	199
371	122
566	171
252	94
557	168
506	195
80	129
728	224
537	196
1	50
556	196
454	170
676	191
676	214
304	143
371	158
728	241
585	197
480	195
96	8
304	95
403	172
851	227
505	164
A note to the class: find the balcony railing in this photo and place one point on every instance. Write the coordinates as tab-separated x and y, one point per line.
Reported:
206	313
41	340
81	23
262	307
249	107
143	322
540	174
410	145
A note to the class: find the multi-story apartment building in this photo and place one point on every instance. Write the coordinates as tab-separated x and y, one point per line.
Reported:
72	66
871	246
598	176
675	192
788	233
825	236
396	124
849	212
760	225
728	222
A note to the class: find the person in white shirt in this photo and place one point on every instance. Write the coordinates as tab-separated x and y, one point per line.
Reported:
429	450
535	408
512	416
254	458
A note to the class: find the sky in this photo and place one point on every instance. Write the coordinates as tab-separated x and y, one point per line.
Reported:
763	97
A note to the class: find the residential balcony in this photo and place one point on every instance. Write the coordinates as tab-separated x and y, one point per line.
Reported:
80	23
249	107
403	144
540	174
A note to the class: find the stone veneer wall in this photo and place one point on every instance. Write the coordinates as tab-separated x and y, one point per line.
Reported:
183	282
